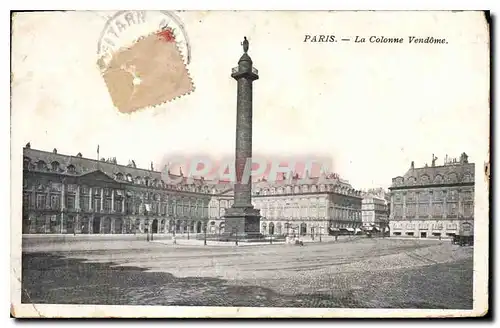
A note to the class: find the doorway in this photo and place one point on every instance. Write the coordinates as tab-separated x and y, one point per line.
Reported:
96	225
303	229
271	228
423	235
154	228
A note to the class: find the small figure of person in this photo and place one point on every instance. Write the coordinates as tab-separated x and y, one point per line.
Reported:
174	241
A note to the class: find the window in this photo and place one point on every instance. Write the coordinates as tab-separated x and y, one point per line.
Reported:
26	163
410	210
70	202
107	204
26	200
438	209
453	195
41	165
97	204
55	202
438	195
84	203
424	197
468	210
118	205
71	169
423	210
468	195
129	206
452	209
55	166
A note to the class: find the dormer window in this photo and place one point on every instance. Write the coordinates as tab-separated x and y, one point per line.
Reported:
55	166
41	165
26	163
71	168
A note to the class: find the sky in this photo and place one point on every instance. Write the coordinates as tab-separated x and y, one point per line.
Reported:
370	108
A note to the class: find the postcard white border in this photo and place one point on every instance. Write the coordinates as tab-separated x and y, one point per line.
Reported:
28	310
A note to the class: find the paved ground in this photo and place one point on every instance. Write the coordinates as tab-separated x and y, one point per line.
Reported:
359	272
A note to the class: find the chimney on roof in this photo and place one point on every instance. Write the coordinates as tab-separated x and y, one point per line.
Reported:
55	151
28	145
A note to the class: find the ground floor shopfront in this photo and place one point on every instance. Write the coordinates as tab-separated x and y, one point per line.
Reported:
94	223
429	229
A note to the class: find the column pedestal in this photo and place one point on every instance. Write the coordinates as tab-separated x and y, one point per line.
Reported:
242	223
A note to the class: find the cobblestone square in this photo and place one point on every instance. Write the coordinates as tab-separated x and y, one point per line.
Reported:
361	273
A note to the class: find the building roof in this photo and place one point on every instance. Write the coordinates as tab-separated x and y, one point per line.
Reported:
79	165
450	173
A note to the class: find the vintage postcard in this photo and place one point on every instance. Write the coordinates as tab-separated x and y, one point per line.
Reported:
250	164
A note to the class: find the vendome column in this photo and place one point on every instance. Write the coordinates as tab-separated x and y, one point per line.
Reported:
242	218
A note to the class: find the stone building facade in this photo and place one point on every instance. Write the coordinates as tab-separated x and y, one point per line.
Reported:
374	212
72	194
433	201
65	194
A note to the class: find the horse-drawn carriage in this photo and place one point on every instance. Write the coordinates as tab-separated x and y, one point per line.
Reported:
465	236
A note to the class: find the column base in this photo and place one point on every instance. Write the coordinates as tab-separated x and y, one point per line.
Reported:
242	222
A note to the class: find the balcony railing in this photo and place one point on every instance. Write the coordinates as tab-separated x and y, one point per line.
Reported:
236	70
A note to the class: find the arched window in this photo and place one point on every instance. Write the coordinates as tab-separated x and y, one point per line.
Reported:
71	168
55	166
119	176
129	177
26	163
271	228
40	165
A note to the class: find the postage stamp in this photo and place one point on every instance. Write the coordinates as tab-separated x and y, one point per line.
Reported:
144	70
324	169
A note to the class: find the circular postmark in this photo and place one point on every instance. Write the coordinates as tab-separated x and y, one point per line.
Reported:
125	27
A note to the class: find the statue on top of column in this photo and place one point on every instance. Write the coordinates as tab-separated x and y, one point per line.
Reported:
245	44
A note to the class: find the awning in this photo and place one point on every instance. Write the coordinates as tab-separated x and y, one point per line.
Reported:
119	193
129	194
334	229
350	229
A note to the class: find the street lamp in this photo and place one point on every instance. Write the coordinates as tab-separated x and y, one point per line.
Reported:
188	227
205	234
235	231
